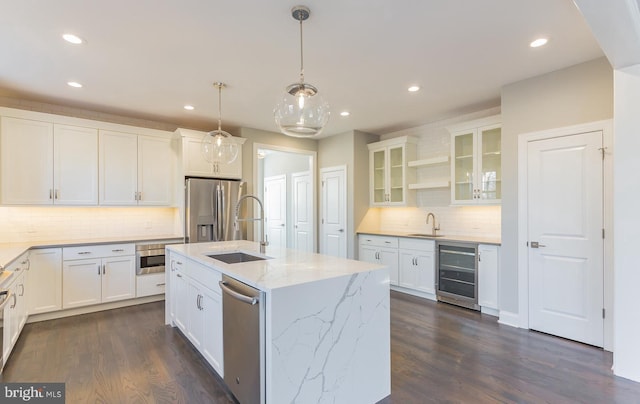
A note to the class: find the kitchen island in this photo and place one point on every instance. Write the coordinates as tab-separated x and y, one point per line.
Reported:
326	330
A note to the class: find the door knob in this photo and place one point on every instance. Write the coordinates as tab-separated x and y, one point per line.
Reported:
341	230
282	225
535	244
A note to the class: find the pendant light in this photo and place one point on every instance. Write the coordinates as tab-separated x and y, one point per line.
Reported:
217	145
301	112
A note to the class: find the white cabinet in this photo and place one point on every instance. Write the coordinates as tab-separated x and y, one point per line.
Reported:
488	268
43	163
476	173
150	284
135	170
195	165
417	265
110	276
381	250
45	280
16	311
196	308
389	173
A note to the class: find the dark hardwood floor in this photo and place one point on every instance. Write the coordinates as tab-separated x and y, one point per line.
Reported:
439	353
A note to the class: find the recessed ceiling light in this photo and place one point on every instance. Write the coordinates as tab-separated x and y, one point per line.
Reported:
345	113
74	84
539	42
413	89
189	107
74	39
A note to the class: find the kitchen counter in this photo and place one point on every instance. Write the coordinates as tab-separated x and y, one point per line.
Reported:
284	268
10	251
327	319
466	239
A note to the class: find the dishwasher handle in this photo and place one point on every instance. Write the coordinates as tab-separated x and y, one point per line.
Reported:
243	298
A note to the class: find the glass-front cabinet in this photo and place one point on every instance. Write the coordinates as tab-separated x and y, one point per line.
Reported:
476	165
389	172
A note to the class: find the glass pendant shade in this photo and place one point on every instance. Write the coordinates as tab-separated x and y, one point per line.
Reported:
301	112
217	147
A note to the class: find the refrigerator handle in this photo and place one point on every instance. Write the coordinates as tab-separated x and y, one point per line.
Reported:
221	210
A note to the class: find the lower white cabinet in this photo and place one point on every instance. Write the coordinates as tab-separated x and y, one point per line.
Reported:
44	280
108	277
15	312
417	264
150	284
488	268
381	250
197	309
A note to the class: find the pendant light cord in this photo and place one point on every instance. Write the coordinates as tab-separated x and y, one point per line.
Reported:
301	54
219	107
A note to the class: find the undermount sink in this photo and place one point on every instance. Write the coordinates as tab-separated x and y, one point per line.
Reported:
235	257
425	235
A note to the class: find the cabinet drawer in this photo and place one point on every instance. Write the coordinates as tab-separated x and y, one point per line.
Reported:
378	241
418	244
150	284
97	251
206	276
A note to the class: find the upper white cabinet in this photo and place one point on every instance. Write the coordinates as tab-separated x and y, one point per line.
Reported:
195	165
476	173
44	163
135	170
389	174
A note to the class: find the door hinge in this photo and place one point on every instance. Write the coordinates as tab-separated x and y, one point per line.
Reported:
603	313
602	233
527	244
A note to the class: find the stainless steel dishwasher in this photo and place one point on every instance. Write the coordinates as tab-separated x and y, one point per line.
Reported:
243	340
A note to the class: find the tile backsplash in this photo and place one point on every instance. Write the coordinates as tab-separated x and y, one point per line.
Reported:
24	224
481	221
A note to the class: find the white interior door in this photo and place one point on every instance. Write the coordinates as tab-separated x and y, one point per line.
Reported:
565	221
333	227
302	211
275	210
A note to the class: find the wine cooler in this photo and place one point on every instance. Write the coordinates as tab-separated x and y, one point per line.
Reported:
457	280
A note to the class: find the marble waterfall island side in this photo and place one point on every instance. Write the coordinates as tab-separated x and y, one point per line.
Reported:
327	327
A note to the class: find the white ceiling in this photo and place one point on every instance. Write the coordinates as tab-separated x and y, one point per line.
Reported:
147	58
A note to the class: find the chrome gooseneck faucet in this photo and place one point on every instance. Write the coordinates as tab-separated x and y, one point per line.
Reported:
433	226
263	239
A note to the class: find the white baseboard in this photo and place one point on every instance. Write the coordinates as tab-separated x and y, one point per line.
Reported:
489	311
424	295
509	318
92	309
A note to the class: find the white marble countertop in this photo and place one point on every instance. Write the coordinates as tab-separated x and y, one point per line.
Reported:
466	239
11	251
284	268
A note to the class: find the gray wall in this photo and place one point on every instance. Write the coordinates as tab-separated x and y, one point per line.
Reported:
578	94
350	149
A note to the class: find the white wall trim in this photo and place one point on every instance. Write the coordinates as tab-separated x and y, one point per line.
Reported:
509	318
314	184
606	126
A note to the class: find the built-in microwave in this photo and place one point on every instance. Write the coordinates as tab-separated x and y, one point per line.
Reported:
149	258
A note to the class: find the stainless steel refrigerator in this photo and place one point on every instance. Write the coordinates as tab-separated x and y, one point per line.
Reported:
210	210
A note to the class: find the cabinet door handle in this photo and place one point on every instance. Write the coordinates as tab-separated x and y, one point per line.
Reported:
179	276
479	257
57	194
15	300
84	252
50	193
160	284
178	262
118	250
98	269
104	269
22	289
